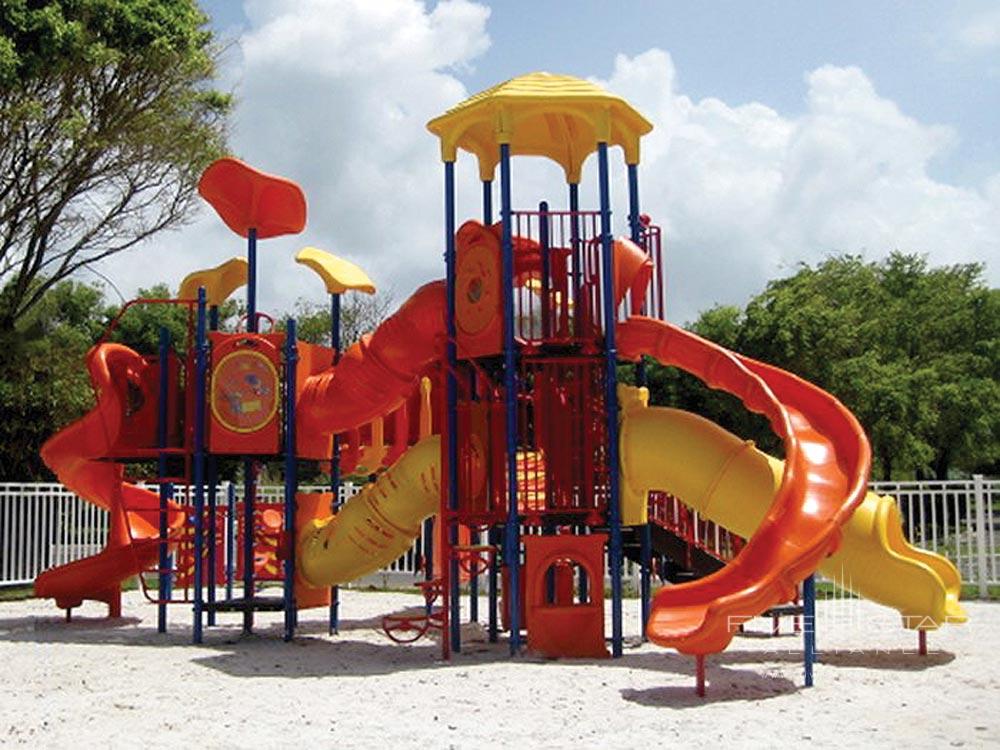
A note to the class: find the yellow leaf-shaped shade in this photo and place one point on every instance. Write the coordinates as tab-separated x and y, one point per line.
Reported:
219	282
338	275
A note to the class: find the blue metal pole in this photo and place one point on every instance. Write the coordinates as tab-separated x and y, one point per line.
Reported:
230	538
335	326
252	280
641	380
809	627
474	535
611	403
635	227
512	531
645	575
635	233
493	539
163	580
574	234
249	497
213	479
428	552
291	477
201	364
474	539
213	482
492	579
488	202
334	619
249	480
543	241
451	393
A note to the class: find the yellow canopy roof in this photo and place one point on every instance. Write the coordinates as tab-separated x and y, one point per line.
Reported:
338	274
219	282
540	114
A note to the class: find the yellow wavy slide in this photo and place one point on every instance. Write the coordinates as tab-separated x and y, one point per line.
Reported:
729	481
724	478
377	525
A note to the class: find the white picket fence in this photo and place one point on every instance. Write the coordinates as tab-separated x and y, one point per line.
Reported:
43	525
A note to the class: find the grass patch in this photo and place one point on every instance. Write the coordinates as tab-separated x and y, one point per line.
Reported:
830	590
16	593
971	591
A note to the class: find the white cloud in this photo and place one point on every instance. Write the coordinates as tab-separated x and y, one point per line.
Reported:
982	32
336	94
745	194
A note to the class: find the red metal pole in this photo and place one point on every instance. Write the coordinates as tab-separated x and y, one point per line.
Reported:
922	642
700	675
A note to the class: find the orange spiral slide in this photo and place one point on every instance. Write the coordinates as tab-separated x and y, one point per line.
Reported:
77	455
827	463
372	379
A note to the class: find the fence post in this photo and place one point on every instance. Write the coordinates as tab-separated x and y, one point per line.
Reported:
980	499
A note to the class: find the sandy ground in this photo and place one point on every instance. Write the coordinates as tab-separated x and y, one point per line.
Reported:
98	683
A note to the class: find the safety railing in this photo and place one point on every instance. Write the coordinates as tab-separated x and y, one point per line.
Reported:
44	524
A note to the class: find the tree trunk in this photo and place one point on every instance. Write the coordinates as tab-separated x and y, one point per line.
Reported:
886	466
941	465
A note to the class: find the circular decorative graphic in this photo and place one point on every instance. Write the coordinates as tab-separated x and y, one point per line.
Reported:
477	280
244	391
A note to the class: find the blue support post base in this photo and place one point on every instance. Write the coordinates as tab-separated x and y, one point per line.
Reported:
809	627
201	367
291	479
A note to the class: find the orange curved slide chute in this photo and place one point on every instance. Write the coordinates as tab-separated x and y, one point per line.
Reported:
377	374
827	463
74	454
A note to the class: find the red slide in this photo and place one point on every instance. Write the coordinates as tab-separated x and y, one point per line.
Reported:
75	454
827	463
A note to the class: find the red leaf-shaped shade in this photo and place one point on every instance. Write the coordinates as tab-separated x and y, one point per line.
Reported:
246	198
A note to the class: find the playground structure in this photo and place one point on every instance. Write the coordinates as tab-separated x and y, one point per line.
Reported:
487	404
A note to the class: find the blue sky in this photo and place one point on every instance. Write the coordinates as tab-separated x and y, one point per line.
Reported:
760	51
784	131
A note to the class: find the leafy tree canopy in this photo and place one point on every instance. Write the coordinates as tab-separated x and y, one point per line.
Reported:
359	314
43	380
913	351
107	118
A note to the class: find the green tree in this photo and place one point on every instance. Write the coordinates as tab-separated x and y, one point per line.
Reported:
43	381
359	314
913	351
138	327
107	119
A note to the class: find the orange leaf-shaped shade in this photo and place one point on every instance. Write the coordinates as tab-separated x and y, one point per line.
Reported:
246	198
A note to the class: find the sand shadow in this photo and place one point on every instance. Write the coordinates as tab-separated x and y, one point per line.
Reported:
344	625
724	683
766	635
11	626
899	660
902	660
905	660
265	655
